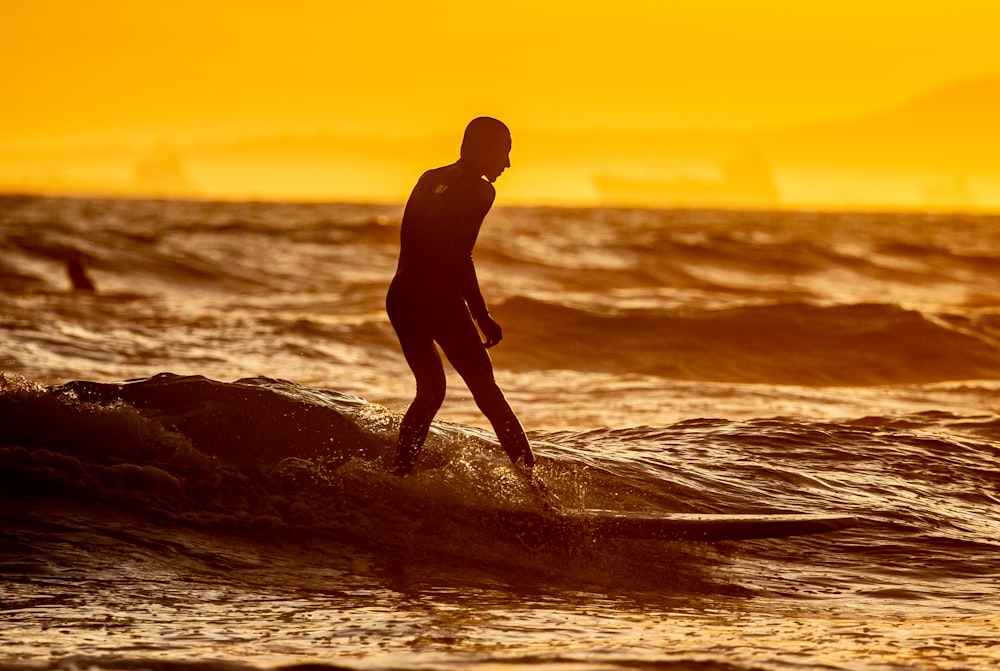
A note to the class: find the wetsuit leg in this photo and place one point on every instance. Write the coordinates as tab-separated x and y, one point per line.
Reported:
464	348
422	356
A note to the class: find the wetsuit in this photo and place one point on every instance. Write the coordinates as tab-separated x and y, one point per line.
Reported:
435	297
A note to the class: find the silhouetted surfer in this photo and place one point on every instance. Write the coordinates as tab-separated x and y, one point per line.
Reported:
76	271
435	297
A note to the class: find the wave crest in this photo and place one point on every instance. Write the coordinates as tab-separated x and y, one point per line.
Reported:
782	343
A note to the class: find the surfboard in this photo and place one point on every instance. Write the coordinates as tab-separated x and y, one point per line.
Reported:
674	526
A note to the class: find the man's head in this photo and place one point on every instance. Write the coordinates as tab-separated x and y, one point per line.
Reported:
486	146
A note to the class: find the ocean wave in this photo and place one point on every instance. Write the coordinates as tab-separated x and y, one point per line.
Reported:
268	502
271	462
783	343
271	454
162	245
297	246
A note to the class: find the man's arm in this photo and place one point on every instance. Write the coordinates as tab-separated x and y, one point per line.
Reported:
470	221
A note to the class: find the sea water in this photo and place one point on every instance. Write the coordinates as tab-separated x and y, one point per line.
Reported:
192	456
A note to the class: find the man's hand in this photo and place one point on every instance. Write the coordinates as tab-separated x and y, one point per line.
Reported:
491	330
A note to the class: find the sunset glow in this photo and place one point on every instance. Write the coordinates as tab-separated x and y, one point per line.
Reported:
772	104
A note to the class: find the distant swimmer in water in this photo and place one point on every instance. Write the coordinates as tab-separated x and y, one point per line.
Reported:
435	296
76	271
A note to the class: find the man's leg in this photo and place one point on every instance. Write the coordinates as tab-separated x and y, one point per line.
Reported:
426	365
466	352
411	325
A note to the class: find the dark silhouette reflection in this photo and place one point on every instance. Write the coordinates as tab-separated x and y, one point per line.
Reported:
435	296
76	271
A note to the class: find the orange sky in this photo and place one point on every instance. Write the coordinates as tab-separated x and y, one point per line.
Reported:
130	74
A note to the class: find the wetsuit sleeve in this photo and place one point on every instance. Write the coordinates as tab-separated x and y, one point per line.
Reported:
465	240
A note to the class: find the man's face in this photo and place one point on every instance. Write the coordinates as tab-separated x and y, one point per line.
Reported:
496	160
